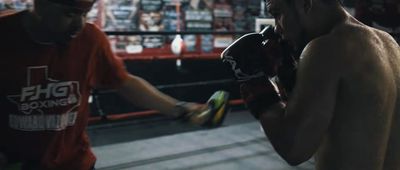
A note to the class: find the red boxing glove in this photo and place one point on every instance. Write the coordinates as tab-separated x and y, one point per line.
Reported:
258	94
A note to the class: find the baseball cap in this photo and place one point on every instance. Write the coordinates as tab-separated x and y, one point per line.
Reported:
80	4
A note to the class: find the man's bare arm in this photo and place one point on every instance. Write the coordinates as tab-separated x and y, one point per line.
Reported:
141	93
296	130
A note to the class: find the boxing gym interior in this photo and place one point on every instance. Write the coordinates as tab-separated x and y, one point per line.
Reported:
176	45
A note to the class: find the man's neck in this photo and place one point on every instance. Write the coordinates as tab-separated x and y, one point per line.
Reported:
328	20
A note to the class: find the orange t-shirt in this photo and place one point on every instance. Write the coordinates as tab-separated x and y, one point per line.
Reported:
44	94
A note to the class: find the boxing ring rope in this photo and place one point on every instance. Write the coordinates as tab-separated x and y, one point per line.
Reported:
122	116
182	85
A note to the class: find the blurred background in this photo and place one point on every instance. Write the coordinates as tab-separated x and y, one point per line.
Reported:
141	33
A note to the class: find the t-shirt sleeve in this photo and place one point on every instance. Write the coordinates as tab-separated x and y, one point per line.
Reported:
108	69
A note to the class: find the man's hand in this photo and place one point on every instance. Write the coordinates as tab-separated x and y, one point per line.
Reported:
211	114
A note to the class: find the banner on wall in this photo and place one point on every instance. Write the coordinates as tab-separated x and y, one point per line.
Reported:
18	5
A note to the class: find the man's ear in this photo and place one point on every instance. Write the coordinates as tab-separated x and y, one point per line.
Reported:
304	5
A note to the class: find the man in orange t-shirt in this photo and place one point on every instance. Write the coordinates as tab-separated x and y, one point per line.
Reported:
50	60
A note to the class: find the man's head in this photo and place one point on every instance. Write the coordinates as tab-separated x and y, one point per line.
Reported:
299	21
62	19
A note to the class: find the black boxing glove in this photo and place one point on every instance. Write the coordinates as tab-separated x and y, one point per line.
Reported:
264	66
254	55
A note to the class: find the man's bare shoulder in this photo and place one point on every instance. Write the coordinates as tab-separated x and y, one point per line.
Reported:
334	50
324	49
343	38
351	41
356	35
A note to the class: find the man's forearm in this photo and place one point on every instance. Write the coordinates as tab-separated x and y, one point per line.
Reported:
273	123
142	94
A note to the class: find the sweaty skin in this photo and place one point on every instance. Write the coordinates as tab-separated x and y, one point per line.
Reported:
364	131
345	108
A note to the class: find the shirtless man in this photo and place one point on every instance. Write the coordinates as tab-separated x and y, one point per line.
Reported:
353	120
345	106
